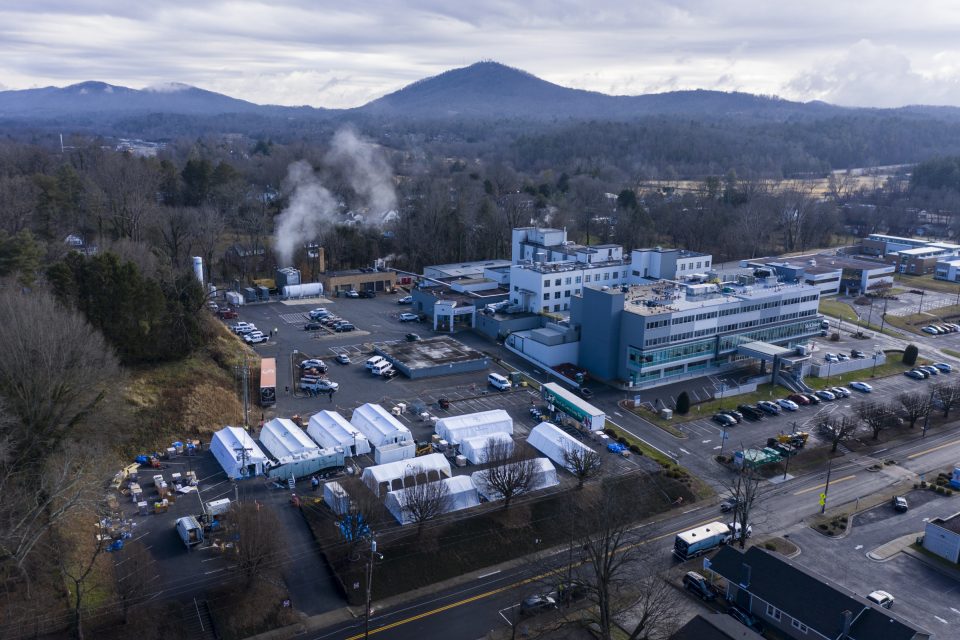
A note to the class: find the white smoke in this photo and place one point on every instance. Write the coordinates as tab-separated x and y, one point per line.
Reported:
366	169
311	208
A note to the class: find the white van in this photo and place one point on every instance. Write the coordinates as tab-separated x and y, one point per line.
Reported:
498	381
374	361
380	367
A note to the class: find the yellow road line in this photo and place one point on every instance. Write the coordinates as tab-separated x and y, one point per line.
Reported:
821	486
922	453
520	583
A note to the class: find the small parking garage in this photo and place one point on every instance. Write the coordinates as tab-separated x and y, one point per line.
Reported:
437	356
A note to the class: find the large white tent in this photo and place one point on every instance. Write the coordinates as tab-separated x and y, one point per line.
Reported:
461	495
545	476
237	453
382	478
456	428
330	429
553	442
475	448
283	439
379	426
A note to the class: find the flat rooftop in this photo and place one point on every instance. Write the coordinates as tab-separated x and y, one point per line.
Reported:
561	267
462	269
951	523
827	261
681	253
431	352
666	297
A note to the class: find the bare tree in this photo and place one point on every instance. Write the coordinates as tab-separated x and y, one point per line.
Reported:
256	526
512	472
425	501
133	570
875	415
915	406
744	489
653	613
837	429
76	568
583	463
948	395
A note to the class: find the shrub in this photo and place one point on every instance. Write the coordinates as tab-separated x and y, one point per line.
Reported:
622	440
923	484
916	485
610	432
823	527
910	355
635	449
948	492
683	403
940	490
770	546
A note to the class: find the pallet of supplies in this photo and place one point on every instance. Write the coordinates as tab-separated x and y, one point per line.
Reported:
161	506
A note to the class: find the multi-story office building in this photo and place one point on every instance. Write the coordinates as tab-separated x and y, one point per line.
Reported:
653	334
666	264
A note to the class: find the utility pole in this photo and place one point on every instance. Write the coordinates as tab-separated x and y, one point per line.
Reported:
920	308
378	556
883	318
243	372
826	488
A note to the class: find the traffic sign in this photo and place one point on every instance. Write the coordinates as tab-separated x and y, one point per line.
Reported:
823	499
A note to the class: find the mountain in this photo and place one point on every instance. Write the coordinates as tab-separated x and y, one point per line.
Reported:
490	89
101	98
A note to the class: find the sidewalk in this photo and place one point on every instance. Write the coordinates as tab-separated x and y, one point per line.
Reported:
892	548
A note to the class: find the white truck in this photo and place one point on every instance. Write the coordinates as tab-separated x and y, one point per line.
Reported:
190	531
695	542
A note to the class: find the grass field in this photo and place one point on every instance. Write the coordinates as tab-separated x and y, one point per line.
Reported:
842	310
927	282
914	322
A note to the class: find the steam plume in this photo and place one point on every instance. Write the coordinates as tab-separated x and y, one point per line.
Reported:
366	170
311	208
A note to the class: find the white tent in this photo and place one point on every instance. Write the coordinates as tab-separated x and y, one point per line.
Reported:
330	429
456	428
475	447
379	426
462	495
552	442
545	476
237	453
387	477
283	438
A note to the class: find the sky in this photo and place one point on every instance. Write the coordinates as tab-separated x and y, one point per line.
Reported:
880	53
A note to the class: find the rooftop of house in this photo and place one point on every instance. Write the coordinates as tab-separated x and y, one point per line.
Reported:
714	626
812	599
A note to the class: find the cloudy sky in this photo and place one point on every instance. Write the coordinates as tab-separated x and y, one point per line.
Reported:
342	54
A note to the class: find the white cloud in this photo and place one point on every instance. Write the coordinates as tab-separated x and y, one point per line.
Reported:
336	54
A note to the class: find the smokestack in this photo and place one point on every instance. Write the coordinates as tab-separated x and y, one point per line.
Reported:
198	268
745	582
847	621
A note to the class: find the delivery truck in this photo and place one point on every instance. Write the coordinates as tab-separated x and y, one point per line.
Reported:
190	531
695	542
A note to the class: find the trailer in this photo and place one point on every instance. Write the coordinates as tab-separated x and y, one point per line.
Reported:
695	542
268	382
189	531
563	402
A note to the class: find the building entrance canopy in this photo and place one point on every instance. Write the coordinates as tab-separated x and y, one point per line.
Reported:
763	351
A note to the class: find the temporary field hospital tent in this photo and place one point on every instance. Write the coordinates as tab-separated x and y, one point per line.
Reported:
379	426
545	476
330	429
456	428
552	442
382	478
462	495
475	447
283	438
237	453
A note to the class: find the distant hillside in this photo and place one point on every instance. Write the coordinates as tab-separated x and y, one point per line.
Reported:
490	89
102	98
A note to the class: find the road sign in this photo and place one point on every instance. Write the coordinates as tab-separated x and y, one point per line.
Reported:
823	499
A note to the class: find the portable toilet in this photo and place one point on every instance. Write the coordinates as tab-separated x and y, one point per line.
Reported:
263	293
250	294
955	479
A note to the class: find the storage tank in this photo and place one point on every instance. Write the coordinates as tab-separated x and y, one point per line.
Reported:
198	268
311	289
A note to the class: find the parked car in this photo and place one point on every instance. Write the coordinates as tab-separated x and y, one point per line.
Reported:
729	504
769	407
352	294
243	327
724	420
227	314
916	375
255	337
312	326
826	395
389	373
789	405
736	415
319	312
344	326
812	397
409	317
313	363
931	330
696	583
799	398
343	358
929	369
367	293
831	357
842	357
586	392
881	598
861	386
735	530
943	366
412	337
900	504
532	605
840	392
745	618
856	353
750	412
405	300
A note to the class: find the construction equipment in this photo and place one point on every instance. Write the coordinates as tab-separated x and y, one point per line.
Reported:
424	448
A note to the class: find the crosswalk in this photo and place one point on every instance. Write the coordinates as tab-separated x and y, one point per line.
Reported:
295	318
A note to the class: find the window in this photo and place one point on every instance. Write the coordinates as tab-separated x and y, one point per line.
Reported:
546	296
556	307
578	280
556	295
546	308
606	276
636	273
706	263
567	281
624	274
799	626
577	292
698	265
516	288
556	282
566	294
546	282
586	278
773	612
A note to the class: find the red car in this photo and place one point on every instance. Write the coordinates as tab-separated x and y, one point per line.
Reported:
228	314
799	399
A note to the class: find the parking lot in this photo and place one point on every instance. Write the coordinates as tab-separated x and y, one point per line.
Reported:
922	595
